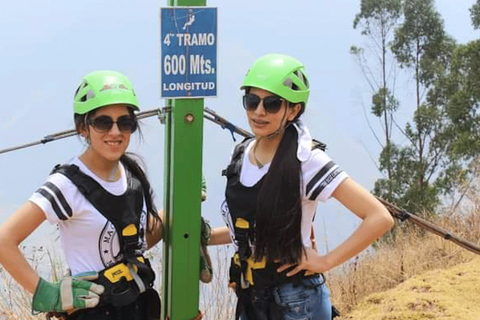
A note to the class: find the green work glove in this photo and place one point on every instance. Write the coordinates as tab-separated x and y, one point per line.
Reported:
204	188
70	293
206	272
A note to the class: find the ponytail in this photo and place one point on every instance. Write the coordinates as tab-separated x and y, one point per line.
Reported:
279	208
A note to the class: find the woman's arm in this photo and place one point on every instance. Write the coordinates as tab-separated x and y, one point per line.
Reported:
16	229
220	235
376	221
62	296
156	233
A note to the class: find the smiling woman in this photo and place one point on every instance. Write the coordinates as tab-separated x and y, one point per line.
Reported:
102	203
274	182
108	140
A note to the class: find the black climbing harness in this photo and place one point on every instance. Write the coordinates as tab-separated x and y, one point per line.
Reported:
132	275
252	277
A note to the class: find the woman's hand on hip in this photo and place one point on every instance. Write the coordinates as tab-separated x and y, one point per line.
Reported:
311	261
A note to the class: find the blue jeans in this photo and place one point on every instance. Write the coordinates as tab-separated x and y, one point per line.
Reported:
309	300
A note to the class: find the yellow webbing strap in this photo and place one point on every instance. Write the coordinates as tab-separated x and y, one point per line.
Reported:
252	265
242	223
129	230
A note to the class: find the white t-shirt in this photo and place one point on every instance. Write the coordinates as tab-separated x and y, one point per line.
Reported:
89	241
320	177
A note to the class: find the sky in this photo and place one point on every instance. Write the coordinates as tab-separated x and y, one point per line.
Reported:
48	46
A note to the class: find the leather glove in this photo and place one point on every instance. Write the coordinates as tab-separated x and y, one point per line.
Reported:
206	272
68	294
204	188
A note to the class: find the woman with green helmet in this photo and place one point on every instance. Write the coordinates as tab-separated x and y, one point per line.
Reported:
274	182
102	203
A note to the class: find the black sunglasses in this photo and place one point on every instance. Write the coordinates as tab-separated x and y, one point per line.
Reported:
105	123
271	104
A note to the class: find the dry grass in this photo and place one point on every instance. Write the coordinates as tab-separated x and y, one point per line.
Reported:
356	287
216	299
391	265
359	289
15	301
415	255
438	294
420	276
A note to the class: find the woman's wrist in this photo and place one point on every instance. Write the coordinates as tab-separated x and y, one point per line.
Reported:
326	262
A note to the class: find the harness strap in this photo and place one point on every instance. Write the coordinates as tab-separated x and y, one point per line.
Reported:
137	279
236	163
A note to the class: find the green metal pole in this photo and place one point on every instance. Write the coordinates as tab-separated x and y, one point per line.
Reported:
183	177
167	212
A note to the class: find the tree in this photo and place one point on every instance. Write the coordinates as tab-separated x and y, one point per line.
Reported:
377	20
475	14
463	90
422	47
443	137
460	94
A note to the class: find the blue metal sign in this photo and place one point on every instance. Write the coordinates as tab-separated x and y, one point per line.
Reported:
189	52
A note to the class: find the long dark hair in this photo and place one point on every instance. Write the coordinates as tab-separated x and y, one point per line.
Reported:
132	162
279	207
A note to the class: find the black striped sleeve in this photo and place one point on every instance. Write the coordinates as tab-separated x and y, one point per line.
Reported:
47	195
329	178
319	175
60	197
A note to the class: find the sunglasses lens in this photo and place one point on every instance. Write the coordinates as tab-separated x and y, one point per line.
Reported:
102	123
272	104
251	101
126	124
105	123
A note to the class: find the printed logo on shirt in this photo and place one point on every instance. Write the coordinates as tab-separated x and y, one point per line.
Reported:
228	220
108	244
143	222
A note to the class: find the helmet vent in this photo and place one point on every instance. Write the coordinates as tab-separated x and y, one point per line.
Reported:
288	83
76	91
302	77
80	87
90	94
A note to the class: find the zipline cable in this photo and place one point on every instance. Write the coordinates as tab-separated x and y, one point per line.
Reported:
160	113
209	114
73	132
403	215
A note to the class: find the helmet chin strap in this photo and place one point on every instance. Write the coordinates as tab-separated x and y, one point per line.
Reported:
280	129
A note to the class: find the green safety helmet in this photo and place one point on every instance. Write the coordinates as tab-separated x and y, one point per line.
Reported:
280	74
102	88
